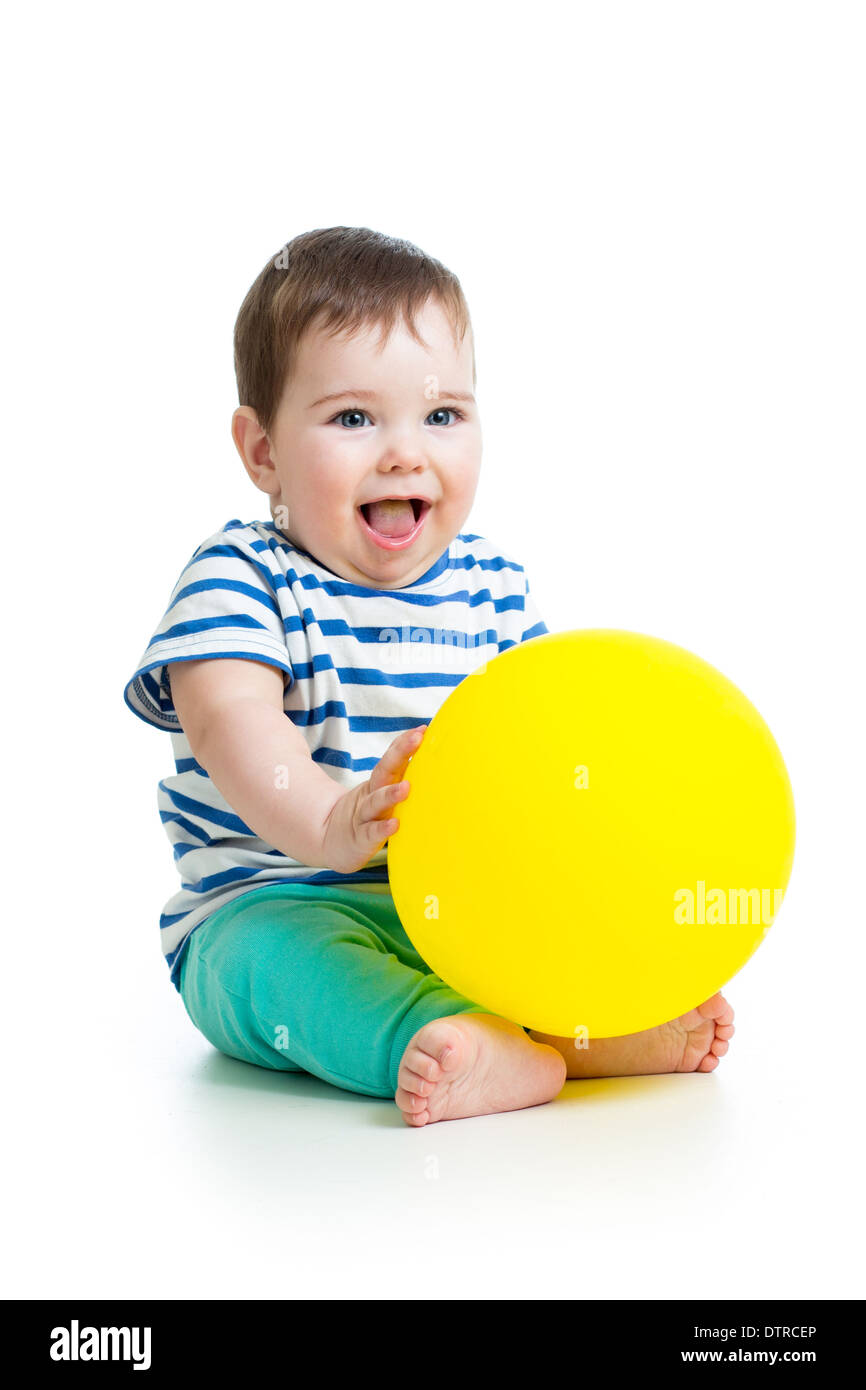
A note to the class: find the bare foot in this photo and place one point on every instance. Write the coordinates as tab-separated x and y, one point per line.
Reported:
474	1064
693	1042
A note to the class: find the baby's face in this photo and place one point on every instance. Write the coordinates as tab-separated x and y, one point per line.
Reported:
399	421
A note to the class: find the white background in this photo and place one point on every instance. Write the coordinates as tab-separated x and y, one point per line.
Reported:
656	211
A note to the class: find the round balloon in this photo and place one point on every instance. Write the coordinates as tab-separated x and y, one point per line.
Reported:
598	834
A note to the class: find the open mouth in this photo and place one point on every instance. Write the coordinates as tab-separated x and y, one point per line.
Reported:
416	503
394	522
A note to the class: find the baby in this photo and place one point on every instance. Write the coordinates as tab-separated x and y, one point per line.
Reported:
297	666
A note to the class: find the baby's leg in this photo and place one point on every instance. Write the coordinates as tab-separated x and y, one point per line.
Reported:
299	976
693	1042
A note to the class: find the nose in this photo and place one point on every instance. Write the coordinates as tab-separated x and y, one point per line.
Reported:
405	453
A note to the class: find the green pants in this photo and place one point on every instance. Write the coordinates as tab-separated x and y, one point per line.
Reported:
310	978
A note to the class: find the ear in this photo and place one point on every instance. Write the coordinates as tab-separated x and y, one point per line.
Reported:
254	448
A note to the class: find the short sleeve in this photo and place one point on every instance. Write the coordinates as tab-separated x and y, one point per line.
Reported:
228	601
533	623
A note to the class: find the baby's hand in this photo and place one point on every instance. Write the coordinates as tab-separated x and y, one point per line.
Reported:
358	823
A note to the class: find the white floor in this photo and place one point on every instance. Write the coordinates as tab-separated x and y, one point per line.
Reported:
149	1165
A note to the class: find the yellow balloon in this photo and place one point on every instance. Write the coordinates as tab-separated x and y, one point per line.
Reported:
598	835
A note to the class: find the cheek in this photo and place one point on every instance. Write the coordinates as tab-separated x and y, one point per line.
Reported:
466	482
328	492
339	464
328	474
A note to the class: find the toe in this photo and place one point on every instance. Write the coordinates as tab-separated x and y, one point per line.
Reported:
408	1101
727	1030
421	1063
719	1047
415	1121
717	1008
415	1084
708	1063
448	1058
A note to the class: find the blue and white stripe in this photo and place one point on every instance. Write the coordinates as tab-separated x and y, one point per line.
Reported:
360	665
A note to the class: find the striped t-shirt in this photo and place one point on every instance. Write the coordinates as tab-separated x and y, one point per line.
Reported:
360	665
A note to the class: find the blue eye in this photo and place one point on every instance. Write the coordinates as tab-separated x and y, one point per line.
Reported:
356	410
446	409
353	411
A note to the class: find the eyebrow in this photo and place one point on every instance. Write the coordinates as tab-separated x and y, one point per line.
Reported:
373	395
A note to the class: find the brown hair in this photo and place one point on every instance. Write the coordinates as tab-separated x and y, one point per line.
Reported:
339	278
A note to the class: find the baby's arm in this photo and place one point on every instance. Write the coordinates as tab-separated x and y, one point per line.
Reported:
231	712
